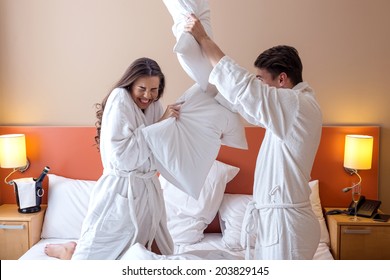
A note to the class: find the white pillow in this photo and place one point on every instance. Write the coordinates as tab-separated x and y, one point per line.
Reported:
317	209
185	148
233	209
189	53
66	207
231	214
187	218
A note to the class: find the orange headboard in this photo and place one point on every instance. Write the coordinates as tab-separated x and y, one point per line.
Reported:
68	151
71	152
328	165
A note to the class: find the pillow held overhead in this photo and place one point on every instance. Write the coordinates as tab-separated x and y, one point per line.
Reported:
188	51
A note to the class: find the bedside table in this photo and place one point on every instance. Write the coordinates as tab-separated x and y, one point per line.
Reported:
18	232
365	239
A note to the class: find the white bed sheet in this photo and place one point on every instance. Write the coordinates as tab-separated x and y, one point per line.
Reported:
213	241
37	252
210	248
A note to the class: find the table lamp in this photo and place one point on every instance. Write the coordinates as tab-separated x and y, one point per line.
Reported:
13	153
357	155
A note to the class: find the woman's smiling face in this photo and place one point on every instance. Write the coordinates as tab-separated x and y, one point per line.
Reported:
145	91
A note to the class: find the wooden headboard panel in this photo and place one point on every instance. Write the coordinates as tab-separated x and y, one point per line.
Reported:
71	152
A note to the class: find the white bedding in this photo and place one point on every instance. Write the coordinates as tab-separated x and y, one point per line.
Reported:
64	216
37	252
210	248
213	241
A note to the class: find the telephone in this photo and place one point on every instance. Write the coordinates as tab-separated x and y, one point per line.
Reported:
365	207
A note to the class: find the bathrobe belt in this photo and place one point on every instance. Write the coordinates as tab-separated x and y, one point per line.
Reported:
154	200
252	220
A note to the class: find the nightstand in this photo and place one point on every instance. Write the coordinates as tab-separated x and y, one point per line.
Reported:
18	232
365	239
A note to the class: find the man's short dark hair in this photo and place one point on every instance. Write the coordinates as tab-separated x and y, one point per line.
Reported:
280	59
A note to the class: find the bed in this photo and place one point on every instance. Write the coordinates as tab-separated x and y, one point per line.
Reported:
211	230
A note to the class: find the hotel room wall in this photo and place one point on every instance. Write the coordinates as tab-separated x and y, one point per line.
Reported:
60	57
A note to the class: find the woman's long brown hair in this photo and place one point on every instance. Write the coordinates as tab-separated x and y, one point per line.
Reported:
139	68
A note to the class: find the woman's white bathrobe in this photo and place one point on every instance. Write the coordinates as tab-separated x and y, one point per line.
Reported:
126	205
280	214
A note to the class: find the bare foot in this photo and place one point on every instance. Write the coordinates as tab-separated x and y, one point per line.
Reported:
62	251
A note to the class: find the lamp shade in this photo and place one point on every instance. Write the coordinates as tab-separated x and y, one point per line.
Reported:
358	151
13	151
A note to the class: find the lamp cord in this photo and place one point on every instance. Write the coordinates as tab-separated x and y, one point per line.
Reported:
10	182
354	185
20	169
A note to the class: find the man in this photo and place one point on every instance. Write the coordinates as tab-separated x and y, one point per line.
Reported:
277	99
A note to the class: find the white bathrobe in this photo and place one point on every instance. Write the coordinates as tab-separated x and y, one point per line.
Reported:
126	205
280	213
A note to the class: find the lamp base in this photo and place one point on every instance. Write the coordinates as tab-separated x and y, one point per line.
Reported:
29	210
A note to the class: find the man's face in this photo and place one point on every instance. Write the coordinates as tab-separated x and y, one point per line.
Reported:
266	77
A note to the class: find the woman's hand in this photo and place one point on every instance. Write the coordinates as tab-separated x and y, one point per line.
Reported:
172	110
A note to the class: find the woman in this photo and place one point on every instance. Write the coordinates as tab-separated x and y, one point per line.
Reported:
126	205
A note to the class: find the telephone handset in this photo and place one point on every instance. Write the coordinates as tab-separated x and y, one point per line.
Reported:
365	207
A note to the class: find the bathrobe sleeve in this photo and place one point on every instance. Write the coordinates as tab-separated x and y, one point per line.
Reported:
123	146
260	104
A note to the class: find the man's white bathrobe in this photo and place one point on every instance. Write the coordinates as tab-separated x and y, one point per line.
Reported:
280	213
126	205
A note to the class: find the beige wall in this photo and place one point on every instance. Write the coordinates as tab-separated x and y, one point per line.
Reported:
59	57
